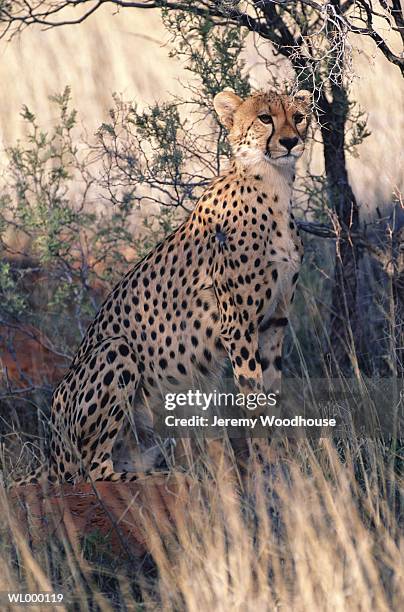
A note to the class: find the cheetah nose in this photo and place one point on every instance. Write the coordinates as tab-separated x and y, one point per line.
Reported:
289	143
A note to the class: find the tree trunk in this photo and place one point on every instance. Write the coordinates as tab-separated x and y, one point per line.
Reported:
344	324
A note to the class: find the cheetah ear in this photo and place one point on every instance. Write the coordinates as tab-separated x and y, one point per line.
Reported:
304	96
226	103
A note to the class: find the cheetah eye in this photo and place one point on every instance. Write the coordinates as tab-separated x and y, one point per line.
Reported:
298	117
265	118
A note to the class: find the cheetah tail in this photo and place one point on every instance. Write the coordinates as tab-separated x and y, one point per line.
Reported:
40	475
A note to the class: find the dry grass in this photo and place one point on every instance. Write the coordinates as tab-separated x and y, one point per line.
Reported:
121	53
312	533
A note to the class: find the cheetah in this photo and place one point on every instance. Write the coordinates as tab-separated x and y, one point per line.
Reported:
218	288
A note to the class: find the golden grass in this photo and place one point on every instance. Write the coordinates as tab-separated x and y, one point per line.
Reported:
304	536
121	53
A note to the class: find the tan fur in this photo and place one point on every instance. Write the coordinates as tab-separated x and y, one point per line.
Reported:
219	287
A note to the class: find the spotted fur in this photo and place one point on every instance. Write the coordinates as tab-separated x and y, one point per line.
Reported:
219	287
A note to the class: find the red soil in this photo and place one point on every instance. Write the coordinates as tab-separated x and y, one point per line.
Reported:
27	359
120	513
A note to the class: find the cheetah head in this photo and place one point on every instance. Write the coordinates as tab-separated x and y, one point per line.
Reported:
265	127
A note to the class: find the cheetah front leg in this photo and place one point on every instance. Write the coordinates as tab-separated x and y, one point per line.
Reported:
238	312
271	334
242	349
239	336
